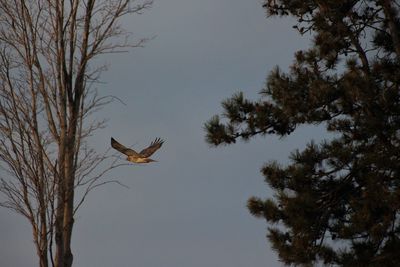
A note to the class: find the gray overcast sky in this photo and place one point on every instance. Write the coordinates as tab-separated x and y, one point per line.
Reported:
187	210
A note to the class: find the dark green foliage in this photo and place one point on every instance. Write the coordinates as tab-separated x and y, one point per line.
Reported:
337	202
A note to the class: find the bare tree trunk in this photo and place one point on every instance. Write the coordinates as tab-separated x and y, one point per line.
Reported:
41	248
46	47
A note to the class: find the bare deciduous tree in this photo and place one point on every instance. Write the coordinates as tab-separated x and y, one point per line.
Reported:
46	100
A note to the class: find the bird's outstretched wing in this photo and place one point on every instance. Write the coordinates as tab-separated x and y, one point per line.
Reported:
156	144
123	149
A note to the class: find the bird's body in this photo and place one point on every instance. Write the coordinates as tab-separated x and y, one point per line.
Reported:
142	156
139	159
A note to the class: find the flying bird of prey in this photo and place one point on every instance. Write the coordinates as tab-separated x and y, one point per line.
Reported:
142	156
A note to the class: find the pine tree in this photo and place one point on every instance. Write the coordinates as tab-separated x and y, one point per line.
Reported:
338	201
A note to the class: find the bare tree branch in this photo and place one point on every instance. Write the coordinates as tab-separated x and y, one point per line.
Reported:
47	99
